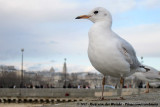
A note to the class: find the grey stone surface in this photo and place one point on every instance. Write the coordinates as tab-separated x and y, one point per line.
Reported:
60	92
144	100
151	99
54	92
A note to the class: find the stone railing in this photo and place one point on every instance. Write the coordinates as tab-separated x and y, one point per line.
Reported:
46	92
55	95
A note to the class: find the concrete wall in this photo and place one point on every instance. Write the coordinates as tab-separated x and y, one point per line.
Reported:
52	92
60	93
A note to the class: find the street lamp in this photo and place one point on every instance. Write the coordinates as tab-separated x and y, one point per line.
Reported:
141	59
22	50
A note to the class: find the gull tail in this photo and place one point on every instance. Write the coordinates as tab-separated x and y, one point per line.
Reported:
147	69
143	69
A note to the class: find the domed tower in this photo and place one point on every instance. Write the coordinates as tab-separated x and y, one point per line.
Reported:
52	70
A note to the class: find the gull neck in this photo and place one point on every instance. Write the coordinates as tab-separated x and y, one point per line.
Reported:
104	24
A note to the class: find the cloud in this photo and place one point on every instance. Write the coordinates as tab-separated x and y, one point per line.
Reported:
149	3
36	10
46	29
60	10
45	66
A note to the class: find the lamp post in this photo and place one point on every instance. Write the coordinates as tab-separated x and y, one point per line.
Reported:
22	50
65	71
142	59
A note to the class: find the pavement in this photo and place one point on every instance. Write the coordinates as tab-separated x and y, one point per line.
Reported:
151	99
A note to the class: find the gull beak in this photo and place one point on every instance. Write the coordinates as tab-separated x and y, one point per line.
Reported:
83	17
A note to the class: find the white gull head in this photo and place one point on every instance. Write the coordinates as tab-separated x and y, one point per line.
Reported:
98	14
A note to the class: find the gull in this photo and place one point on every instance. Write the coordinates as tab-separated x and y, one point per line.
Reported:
150	77
154	84
108	52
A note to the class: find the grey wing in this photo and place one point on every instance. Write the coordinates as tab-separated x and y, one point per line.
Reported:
129	54
153	75
154	78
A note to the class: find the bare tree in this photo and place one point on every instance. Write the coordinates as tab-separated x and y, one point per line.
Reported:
74	76
9	79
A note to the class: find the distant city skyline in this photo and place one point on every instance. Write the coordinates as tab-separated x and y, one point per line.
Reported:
48	32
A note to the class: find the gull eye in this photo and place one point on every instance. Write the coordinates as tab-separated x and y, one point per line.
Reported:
95	12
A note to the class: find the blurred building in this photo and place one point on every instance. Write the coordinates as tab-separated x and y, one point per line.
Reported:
7	68
54	78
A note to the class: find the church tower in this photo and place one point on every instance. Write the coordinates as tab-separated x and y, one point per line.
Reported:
65	67
65	73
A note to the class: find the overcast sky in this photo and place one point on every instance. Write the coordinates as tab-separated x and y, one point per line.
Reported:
48	31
